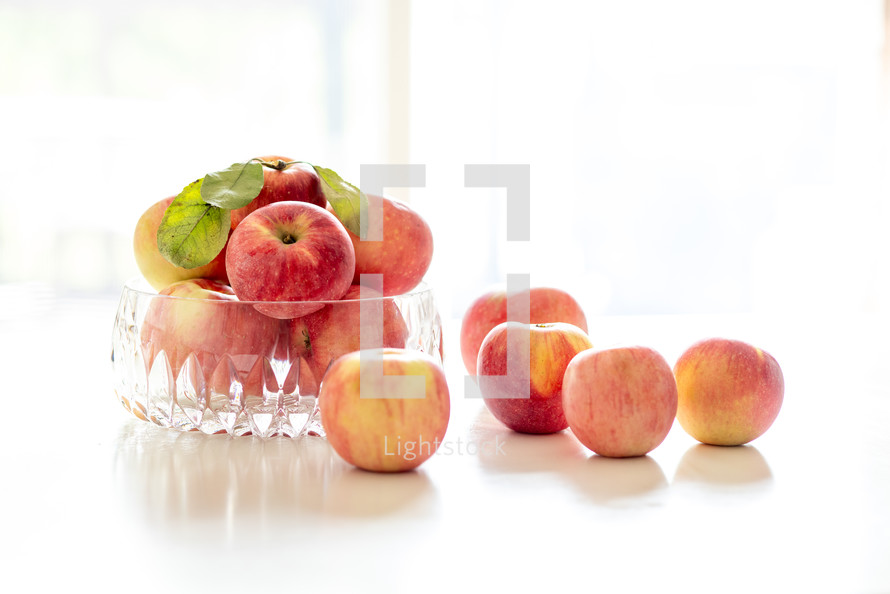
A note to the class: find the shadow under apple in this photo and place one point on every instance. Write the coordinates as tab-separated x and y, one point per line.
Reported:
741	469
620	482
361	493
501	449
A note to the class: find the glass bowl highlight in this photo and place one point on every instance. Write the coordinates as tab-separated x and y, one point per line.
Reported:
224	367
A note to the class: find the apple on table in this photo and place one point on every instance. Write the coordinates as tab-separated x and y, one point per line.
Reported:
546	304
528	397
290	251
620	402
730	392
375	430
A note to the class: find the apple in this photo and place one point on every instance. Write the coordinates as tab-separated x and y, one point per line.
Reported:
379	431
543	351
546	304
282	182
290	251
729	391
404	254
198	317
334	330
156	269
620	402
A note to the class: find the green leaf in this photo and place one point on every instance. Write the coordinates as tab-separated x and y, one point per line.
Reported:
234	187
348	202
192	232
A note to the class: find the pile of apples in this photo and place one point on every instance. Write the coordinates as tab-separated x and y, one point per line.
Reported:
545	376
283	252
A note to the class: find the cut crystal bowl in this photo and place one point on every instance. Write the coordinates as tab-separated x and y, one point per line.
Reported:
222	366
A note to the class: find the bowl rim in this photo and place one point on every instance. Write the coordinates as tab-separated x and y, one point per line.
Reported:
140	286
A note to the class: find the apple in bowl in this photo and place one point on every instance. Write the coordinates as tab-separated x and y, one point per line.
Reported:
404	252
335	330
291	252
156	269
198	317
283	182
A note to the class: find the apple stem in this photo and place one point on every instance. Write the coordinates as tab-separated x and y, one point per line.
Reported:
279	164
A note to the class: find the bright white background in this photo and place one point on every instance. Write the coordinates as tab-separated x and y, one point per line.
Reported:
685	157
719	162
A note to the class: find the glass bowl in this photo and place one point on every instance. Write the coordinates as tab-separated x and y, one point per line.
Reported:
222	366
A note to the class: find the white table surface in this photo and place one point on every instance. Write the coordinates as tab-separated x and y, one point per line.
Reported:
93	497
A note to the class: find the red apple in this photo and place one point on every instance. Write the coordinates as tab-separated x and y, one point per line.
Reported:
370	427
297	182
546	305
156	269
620	402
404	254
542	353
203	317
290	251
334	330
729	391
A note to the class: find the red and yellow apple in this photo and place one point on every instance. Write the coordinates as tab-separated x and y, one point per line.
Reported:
290	251
282	182
405	252
620	402
323	336
526	395
729	391
202	317
156	269
546	304
375	430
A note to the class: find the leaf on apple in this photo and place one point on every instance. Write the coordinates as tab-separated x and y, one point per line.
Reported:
349	203
193	232
233	187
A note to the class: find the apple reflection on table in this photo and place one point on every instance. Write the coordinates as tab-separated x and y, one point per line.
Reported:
629	483
189	483
183	481
610	482
740	470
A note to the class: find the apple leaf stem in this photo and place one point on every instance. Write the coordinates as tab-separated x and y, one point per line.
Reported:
278	164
